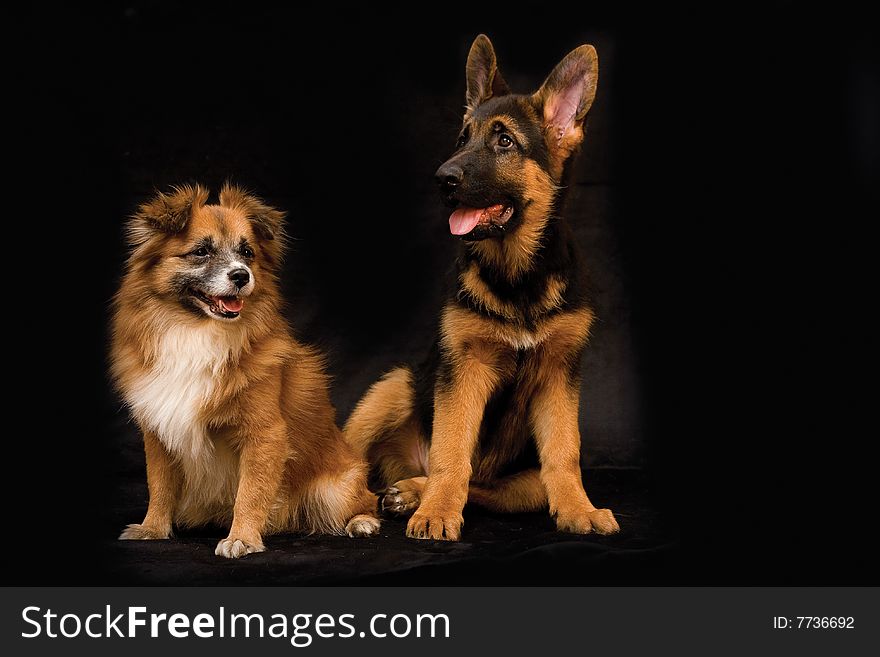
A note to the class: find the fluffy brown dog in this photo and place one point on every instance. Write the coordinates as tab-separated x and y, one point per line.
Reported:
237	422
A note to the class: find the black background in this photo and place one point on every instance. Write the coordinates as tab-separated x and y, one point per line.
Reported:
721	197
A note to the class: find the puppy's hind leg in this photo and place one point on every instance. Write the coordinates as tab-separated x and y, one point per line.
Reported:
385	407
403	497
403	459
385	431
516	493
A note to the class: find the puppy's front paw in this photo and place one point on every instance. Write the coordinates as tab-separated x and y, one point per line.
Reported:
362	525
435	525
137	532
600	521
233	547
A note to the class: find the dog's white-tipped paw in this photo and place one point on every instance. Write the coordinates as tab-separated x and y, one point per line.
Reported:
137	532
362	525
233	548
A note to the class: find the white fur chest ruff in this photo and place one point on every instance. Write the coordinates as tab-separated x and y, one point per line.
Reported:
169	398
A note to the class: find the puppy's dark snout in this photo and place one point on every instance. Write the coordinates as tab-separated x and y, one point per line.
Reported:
240	277
449	176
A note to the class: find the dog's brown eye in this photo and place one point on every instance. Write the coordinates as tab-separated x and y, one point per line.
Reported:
201	252
247	252
505	141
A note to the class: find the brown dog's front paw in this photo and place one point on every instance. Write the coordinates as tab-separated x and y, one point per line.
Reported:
362	525
600	521
435	525
137	532
232	547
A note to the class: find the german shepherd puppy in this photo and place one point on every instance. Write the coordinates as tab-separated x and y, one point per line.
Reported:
237	422
492	416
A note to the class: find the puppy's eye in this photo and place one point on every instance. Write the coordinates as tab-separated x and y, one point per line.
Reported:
505	141
462	139
247	252
200	252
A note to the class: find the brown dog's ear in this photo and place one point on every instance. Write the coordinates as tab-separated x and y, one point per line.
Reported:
566	97
484	80
168	213
268	222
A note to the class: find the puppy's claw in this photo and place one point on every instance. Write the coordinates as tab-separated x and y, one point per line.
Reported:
396	502
601	521
435	526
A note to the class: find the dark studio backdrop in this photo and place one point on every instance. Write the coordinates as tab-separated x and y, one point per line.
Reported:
341	120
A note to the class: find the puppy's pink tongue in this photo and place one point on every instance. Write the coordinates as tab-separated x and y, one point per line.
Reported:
231	304
463	220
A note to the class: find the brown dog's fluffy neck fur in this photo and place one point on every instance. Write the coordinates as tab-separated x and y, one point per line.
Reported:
238	424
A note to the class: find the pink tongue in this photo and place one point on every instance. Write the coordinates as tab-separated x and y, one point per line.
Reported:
231	304
463	220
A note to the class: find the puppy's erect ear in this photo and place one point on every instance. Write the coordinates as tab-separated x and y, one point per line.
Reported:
268	222
167	213
484	80
566	97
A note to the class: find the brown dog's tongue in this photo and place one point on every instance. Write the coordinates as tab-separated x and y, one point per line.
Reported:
464	220
231	304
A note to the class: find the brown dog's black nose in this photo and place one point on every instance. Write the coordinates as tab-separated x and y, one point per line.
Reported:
240	277
449	176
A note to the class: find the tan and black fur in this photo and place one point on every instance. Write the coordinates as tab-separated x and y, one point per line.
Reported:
236	418
491	417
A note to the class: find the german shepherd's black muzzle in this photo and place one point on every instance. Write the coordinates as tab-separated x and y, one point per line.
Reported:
478	212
